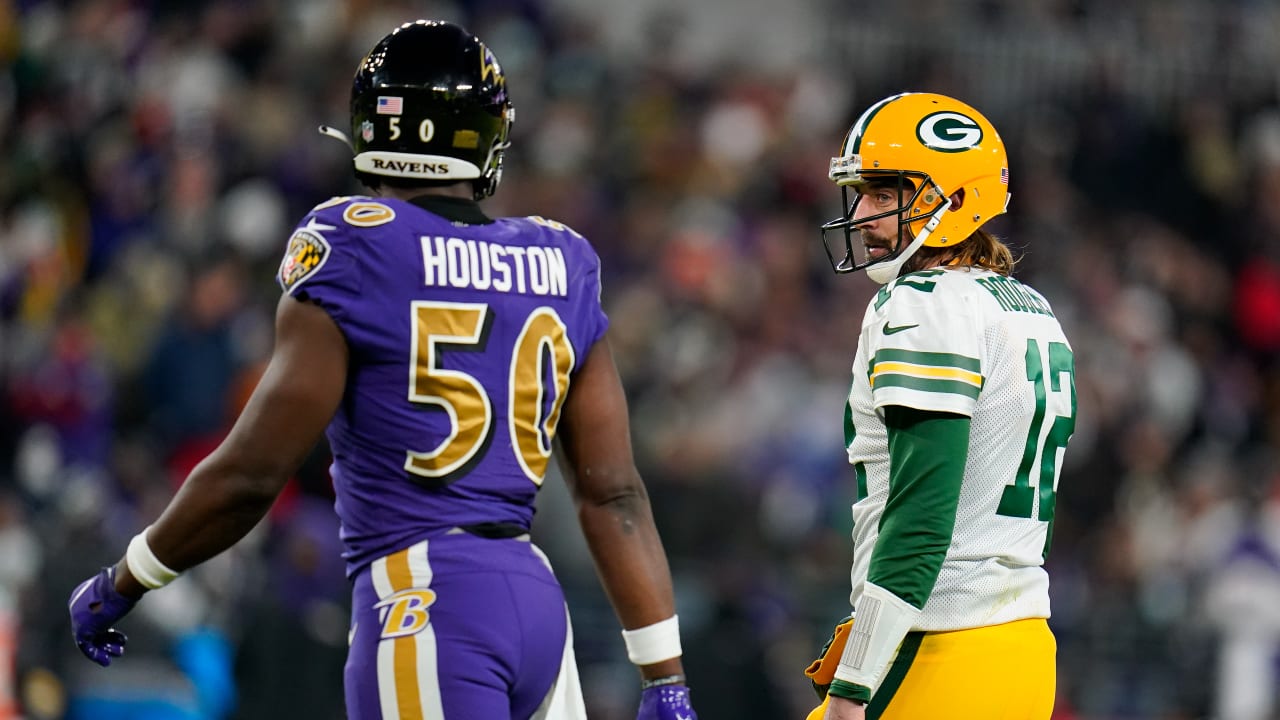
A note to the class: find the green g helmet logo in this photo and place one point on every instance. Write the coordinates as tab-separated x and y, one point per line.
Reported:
949	132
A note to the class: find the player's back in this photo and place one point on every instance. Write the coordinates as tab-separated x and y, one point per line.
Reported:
462	336
1023	417
972	342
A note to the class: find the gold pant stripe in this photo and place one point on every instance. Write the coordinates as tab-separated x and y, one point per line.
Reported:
406	651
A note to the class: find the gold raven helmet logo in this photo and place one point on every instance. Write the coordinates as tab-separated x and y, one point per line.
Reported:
489	66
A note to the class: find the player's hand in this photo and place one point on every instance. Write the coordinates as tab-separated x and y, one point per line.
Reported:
95	606
666	702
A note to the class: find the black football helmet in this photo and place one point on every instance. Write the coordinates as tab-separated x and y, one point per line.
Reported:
430	103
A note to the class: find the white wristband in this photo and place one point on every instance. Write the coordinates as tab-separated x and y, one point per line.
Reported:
883	621
143	564
653	643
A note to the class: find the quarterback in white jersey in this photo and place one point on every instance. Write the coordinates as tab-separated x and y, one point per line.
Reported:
960	409
981	345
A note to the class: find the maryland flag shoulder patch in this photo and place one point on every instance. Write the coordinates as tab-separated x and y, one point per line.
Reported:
306	254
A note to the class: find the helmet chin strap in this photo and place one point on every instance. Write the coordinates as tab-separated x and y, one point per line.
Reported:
337	135
886	271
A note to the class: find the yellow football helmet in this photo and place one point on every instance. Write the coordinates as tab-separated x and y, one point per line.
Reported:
934	146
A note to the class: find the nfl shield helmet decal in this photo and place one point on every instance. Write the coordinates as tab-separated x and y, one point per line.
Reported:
306	254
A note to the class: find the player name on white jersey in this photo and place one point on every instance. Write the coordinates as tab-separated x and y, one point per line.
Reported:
480	265
1013	296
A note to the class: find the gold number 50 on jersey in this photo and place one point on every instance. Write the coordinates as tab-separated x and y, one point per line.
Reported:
467	402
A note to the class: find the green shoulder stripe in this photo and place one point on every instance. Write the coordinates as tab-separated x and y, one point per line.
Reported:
950	387
931	359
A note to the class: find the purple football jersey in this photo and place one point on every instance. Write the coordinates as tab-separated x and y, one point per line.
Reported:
462	341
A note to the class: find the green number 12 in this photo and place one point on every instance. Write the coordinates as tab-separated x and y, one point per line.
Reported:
1018	498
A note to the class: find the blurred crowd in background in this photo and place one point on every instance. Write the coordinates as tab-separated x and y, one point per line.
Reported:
157	153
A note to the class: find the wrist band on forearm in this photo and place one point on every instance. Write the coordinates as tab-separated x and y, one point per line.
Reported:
143	564
860	694
883	621
653	643
659	682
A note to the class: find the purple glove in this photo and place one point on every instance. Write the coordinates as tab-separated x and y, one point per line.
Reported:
95	606
666	702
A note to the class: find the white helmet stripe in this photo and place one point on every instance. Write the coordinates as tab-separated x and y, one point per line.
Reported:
855	135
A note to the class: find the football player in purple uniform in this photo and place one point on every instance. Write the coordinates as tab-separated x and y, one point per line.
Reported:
442	352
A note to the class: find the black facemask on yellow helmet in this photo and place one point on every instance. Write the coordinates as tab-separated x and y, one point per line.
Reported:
933	146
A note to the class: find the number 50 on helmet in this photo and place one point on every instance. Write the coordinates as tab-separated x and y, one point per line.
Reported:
429	104
932	146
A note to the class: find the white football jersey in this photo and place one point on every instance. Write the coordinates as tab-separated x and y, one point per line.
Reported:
979	344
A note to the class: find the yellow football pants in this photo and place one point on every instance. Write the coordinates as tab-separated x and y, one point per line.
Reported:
1003	672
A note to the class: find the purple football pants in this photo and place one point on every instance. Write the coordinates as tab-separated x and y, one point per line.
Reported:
457	627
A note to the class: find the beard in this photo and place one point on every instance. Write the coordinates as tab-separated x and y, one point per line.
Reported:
878	246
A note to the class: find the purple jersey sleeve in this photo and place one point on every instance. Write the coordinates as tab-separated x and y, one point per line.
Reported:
592	315
463	341
313	269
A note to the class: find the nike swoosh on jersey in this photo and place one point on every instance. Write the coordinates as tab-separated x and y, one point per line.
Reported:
889	329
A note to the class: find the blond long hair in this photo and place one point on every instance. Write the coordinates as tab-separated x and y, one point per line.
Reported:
981	249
